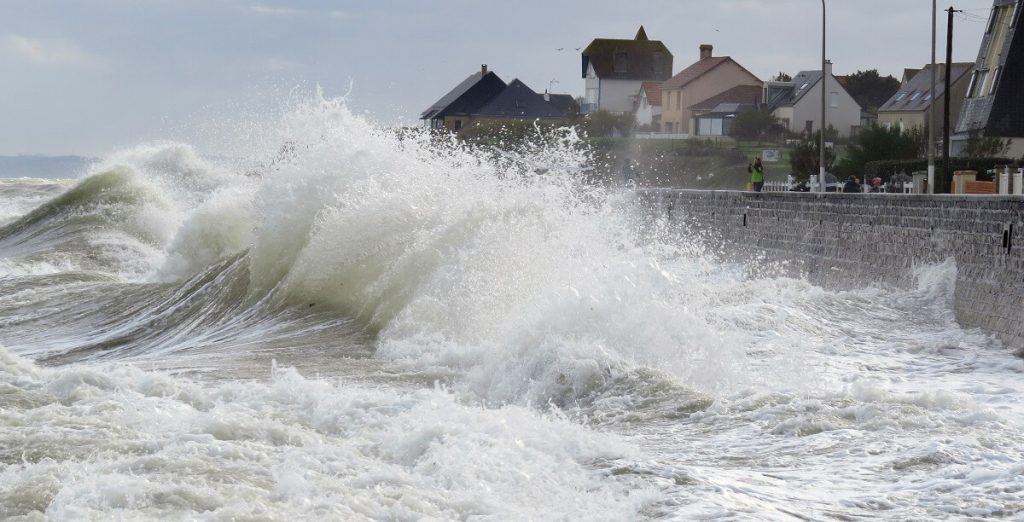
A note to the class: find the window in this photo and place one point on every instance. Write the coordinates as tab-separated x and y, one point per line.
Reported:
709	127
591	95
458	124
992	20
834	99
621	60
659	66
678	101
900	95
977	88
809	126
916	95
995	80
970	86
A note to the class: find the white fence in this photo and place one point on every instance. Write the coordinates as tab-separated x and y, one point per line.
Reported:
786	186
661	136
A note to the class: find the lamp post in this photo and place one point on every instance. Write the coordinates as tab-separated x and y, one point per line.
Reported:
824	81
931	113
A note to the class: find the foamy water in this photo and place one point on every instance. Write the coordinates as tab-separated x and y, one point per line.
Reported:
367	325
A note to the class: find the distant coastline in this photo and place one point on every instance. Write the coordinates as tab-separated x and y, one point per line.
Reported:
54	167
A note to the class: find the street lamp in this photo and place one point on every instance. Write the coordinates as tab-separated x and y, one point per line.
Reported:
931	114
824	82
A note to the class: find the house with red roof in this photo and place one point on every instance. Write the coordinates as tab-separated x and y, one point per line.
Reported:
648	105
707	77
614	69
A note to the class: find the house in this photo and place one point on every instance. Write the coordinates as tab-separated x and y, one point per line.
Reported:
994	104
453	110
648	105
615	69
914	102
707	77
797	103
519	102
714	116
485	96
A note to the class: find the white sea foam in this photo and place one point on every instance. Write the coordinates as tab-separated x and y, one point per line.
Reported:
590	371
125	443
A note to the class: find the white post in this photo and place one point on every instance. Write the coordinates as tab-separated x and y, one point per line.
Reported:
1004	181
1018	179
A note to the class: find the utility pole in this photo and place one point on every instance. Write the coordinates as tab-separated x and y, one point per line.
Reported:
824	86
931	111
946	97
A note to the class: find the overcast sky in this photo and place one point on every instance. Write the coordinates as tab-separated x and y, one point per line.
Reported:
91	76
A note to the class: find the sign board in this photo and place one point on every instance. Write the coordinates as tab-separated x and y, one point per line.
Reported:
771	155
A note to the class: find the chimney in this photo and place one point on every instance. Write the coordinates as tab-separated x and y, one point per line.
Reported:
705	51
483	69
547	97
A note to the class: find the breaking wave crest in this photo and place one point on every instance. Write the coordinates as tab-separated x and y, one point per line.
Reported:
528	282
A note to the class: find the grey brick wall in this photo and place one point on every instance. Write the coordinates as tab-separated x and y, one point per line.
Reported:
842	240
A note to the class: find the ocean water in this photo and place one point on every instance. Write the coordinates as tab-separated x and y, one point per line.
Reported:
367	325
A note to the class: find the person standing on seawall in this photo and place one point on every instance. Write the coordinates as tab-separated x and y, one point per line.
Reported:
756	171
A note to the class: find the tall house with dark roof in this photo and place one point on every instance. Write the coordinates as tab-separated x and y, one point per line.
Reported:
995	96
615	69
914	103
707	77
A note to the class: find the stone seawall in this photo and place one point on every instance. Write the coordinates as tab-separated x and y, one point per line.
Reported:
844	240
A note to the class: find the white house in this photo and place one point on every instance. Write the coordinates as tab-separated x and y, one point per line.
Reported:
615	69
648	105
797	103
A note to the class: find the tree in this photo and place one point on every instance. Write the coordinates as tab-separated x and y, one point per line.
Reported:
805	158
883	143
981	146
755	125
782	77
871	90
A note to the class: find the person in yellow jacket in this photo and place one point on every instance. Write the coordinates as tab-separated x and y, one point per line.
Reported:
756	171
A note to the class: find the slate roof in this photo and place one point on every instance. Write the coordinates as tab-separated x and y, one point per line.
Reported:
466	97
521	102
915	95
1002	113
653	90
788	94
698	69
641	58
741	94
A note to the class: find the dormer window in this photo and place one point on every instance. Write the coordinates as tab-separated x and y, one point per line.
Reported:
620	59
992	20
995	80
